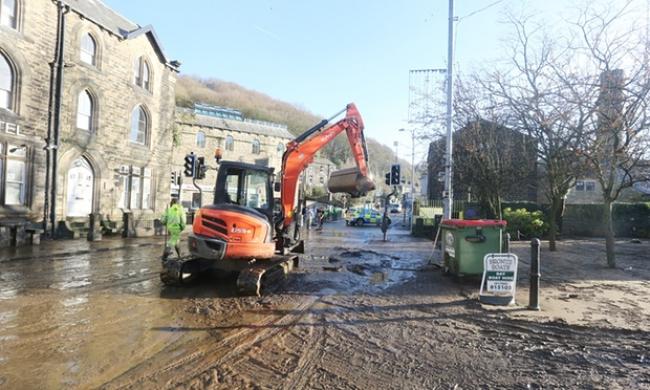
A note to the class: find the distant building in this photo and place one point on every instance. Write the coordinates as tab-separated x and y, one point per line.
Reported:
117	107
519	147
204	128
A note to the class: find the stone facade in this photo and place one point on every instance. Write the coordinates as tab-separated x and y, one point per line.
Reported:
205	128
108	163
517	147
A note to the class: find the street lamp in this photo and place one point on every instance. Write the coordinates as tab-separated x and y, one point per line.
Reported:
412	173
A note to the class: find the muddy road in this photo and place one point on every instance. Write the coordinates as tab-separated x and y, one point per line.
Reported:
359	313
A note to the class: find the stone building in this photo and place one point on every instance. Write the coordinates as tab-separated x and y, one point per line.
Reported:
204	128
111	89
514	149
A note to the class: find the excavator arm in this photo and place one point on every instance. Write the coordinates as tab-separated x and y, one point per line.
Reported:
301	151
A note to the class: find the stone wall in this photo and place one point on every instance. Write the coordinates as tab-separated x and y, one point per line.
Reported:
106	148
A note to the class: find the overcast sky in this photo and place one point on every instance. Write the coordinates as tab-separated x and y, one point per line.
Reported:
321	55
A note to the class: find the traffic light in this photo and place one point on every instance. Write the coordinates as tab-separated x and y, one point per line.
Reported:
201	168
189	165
395	178
174	178
388	179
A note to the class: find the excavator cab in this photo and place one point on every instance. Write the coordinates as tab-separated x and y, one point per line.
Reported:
246	185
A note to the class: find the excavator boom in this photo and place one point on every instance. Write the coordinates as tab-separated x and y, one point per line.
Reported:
301	151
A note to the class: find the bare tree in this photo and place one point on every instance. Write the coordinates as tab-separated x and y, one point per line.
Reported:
616	92
541	105
489	157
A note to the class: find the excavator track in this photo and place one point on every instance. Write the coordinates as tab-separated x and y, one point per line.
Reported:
263	275
172	271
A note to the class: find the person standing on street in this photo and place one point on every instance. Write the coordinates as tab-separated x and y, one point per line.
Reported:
174	220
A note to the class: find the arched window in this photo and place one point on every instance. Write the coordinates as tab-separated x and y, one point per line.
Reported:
85	110
230	143
145	75
142	73
8	13
280	147
200	139
256	146
139	126
88	53
6	84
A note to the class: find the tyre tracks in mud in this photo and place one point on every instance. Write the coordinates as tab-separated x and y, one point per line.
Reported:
205	361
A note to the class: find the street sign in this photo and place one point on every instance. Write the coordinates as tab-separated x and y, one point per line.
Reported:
499	280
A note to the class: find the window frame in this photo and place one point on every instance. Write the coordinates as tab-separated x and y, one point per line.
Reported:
256	147
140	109
200	141
5	157
143	176
91	114
139	66
93	55
229	143
16	16
13	83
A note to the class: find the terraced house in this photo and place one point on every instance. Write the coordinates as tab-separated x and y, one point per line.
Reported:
86	115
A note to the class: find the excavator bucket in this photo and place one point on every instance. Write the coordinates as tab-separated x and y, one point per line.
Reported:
351	181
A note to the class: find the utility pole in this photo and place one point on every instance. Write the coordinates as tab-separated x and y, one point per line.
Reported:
412	199
447	196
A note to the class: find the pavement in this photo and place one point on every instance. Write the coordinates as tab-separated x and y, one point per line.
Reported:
61	248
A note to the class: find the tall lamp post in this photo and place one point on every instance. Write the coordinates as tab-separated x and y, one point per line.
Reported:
412	174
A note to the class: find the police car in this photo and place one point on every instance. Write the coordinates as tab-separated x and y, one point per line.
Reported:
366	217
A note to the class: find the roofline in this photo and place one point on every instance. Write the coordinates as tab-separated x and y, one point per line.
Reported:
148	29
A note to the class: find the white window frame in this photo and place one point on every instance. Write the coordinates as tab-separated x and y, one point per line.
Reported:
4	19
132	177
200	139
10	93
88	57
85	119
139	110
20	156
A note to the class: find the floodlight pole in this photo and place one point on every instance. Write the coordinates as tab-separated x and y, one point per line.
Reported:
447	196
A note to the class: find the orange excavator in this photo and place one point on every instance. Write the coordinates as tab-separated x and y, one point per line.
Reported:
246	230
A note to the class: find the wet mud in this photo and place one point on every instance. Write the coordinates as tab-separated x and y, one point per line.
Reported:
383	316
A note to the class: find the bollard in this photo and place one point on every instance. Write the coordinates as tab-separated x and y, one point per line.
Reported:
533	299
506	244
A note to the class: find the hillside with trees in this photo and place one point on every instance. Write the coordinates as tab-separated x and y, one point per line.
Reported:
257	105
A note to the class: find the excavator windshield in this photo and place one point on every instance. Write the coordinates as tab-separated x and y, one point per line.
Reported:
245	186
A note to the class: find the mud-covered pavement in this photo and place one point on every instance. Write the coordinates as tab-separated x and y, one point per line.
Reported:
359	313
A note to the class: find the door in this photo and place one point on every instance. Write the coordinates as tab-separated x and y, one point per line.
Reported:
79	194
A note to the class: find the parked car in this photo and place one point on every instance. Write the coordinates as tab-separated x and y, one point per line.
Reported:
367	217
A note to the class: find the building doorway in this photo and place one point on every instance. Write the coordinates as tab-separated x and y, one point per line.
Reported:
79	191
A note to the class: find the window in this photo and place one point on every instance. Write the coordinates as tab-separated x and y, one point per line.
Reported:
280	147
139	126
590	186
200	139
256	183
136	189
256	147
85	111
145	75
142	73
13	174
246	188
6	83
580	185
8	13
88	52
230	143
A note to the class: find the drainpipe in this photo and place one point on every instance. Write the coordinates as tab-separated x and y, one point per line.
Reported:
55	136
